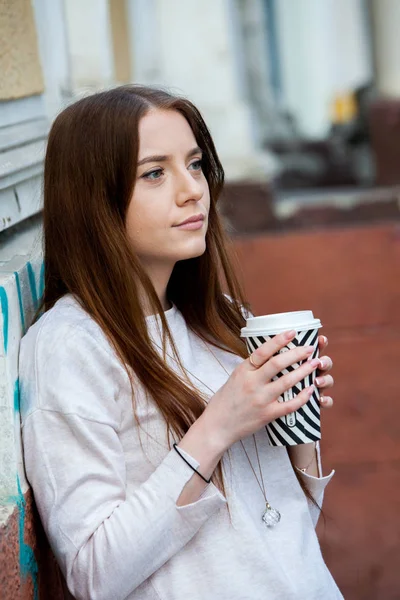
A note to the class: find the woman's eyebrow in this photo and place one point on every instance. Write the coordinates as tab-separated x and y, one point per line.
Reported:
165	157
194	151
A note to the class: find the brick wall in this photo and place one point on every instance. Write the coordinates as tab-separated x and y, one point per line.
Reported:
349	277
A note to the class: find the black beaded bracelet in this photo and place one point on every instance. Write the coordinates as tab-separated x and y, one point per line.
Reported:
188	463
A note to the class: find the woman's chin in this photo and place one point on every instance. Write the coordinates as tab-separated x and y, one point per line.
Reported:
194	252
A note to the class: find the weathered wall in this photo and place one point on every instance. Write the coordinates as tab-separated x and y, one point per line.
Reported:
349	277
27	568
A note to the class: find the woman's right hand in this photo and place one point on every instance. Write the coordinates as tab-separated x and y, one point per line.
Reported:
249	398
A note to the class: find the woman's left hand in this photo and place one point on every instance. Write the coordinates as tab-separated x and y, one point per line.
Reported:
323	380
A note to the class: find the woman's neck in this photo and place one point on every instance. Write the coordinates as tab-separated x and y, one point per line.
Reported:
160	276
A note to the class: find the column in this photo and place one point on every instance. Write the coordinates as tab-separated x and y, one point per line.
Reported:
194	51
90	44
385	32
324	52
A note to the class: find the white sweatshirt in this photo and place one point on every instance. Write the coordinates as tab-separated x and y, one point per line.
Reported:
106	489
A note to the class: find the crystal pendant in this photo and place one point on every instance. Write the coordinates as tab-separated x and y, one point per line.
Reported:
270	516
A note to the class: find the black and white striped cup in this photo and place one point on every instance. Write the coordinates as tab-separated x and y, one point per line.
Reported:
304	425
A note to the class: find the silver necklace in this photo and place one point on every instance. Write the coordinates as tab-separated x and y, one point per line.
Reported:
270	516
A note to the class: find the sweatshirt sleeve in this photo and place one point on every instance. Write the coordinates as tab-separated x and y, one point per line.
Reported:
107	540
316	486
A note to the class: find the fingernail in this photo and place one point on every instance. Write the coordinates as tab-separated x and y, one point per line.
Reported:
323	364
325	339
310	390
309	349
290	334
315	362
320	380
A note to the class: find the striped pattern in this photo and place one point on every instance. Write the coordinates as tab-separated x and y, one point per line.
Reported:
303	426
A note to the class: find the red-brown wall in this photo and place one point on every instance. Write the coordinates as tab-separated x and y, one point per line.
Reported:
350	278
28	570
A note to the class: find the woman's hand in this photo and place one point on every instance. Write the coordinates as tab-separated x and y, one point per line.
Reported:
248	401
323	380
249	398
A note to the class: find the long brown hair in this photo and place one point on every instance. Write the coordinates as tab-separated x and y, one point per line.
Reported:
89	176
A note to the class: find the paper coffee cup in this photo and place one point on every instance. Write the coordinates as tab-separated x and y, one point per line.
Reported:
304	425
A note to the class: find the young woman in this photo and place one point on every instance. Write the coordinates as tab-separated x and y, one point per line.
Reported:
143	419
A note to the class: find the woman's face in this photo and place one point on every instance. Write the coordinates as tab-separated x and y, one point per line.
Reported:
170	188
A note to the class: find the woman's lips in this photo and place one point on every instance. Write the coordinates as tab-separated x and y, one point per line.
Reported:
192	223
191	226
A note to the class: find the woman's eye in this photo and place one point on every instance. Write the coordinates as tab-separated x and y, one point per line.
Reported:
196	165
153	175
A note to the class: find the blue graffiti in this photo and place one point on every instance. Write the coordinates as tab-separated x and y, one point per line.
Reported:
35	296
27	558
41	281
21	306
16	396
27	561
32	284
4	311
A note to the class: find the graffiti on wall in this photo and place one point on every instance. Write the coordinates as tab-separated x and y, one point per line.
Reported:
24	290
28	304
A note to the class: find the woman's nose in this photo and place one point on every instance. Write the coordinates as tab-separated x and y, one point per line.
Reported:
189	189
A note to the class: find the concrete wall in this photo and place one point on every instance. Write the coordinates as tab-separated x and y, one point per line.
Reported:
31	52
28	570
22	543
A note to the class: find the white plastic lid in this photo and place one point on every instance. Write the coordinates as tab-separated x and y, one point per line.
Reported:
301	320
